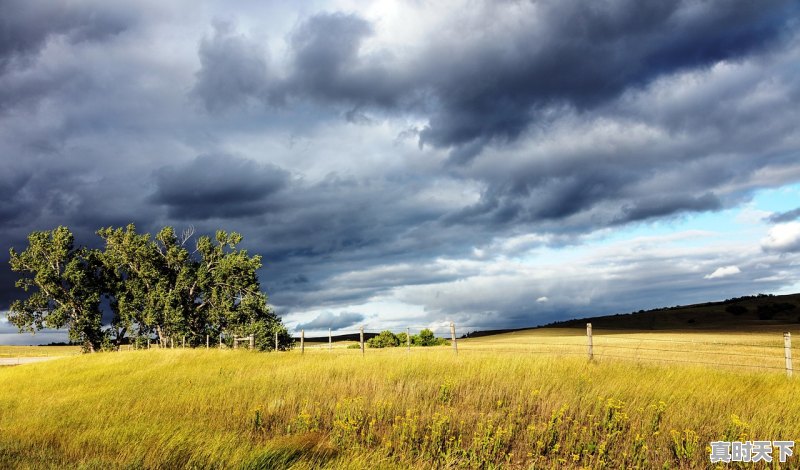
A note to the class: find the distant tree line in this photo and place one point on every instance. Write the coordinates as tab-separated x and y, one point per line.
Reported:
156	288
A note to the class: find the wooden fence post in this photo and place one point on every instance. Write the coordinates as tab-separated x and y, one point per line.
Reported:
408	339
220	340
361	340
235	342
276	341
172	342
208	341
330	339
453	337
183	341
787	352
148	342
302	341
589	341
252	342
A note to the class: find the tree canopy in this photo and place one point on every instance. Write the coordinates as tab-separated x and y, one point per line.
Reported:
154	287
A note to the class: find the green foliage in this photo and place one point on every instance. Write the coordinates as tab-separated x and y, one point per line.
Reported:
263	329
402	338
386	339
426	338
64	286
154	287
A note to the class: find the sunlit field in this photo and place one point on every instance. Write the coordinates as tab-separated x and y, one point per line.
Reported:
38	351
529	399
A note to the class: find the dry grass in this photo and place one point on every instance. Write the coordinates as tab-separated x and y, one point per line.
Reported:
38	351
506	401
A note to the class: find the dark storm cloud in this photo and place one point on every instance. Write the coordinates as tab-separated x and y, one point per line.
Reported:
334	321
479	91
585	56
662	206
787	216
217	186
9	334
26	26
554	119
233	70
327	63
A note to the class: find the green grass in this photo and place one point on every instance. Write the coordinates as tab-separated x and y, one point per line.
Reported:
508	401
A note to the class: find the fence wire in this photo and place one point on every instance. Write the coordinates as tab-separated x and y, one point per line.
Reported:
604	345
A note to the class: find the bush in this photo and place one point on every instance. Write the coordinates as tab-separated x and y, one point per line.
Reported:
402	338
385	339
426	338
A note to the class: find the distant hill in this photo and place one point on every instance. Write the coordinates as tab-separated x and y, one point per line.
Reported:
755	311
737	313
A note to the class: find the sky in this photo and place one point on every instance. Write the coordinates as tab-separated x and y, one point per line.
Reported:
410	163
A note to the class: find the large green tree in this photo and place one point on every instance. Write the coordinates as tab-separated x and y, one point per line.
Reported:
161	287
64	285
133	266
154	286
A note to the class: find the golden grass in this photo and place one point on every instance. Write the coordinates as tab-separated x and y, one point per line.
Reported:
500	403
38	351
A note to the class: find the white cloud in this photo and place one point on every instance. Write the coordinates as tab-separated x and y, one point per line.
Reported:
542	299
723	272
783	237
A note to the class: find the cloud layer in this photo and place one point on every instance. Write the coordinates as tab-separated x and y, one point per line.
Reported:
429	155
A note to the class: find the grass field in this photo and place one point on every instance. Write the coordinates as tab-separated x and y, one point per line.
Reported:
38	351
528	399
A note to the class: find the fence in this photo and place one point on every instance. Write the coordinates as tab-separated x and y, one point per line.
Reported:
761	351
757	351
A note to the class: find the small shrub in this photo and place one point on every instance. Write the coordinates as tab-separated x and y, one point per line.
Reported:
427	338
385	339
402	338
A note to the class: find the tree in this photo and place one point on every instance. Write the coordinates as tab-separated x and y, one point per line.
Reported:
176	287
65	285
228	295
160	287
131	263
153	286
263	324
